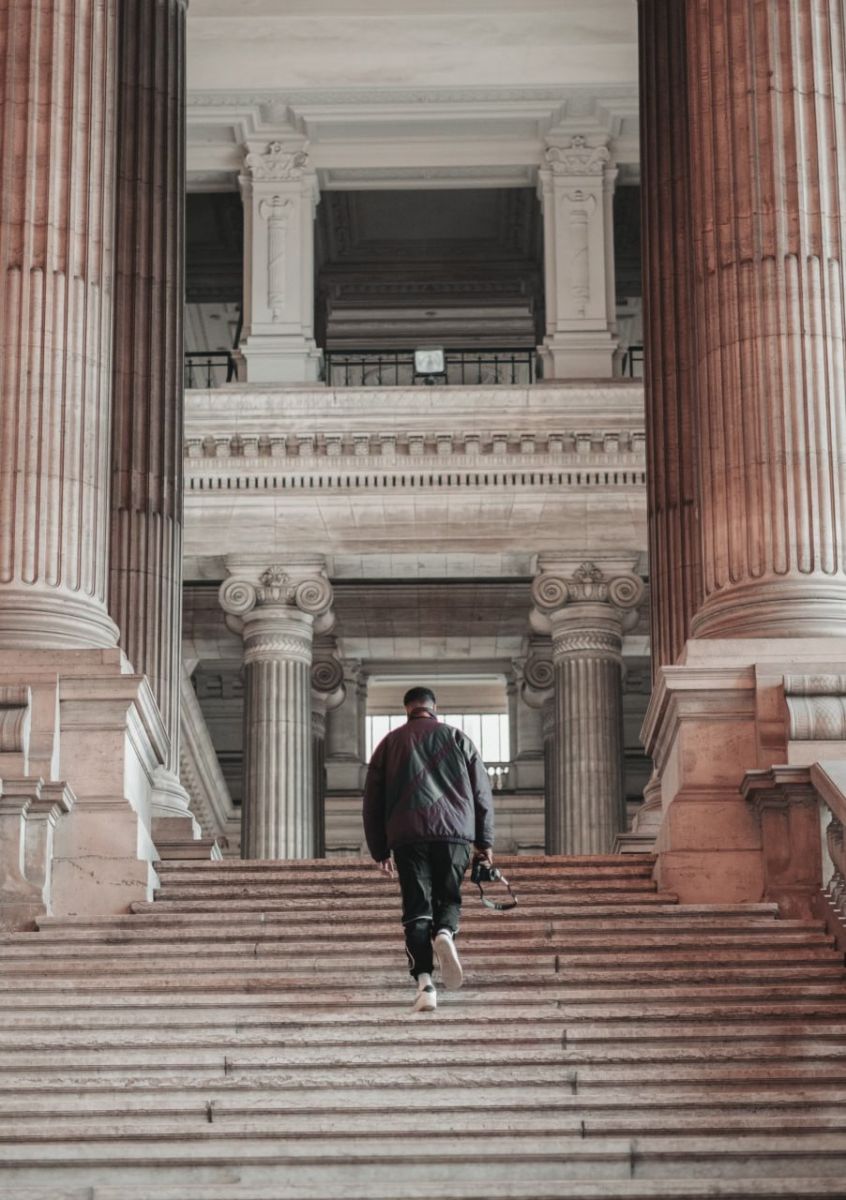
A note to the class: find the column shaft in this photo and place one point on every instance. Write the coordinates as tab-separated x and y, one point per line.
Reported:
670	380
278	813
768	186
145	578
57	141
588	767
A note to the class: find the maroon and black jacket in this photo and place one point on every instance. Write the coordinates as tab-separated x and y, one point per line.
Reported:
426	783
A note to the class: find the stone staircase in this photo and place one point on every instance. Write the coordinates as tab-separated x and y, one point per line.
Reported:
248	1037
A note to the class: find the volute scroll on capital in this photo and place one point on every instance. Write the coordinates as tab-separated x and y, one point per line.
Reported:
276	589
587	584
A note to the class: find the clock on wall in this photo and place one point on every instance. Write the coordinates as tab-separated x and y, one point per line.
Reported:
428	364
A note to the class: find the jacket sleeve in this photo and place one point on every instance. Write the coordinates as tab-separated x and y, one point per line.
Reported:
482	799
374	806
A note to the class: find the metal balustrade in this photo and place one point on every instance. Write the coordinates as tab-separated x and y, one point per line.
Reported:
209	368
395	368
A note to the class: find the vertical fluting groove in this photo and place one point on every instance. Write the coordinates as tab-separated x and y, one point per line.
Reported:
278	812
585	759
668	328
145	584
57	146
767	115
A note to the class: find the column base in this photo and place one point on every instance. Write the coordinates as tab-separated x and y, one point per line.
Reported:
95	725
281	360
720	713
578	355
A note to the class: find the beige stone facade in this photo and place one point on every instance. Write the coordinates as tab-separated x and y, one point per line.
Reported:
520	518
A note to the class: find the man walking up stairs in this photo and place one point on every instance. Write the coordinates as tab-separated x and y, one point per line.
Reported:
246	1036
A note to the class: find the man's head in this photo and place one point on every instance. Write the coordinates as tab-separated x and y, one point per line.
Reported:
419	697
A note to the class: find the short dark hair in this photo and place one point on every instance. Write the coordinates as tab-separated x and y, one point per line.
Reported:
419	695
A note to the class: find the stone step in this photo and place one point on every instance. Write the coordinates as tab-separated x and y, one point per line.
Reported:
357	1010
319	1163
277	1072
487	955
224	890
385	984
109	1125
211	1122
575	987
368	939
100	1034
261	1096
621	1189
233	1098
644	906
279	1055
159	924
329	866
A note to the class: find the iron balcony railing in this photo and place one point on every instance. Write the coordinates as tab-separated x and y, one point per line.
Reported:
395	368
209	368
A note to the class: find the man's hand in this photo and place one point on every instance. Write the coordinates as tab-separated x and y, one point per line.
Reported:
483	854
386	866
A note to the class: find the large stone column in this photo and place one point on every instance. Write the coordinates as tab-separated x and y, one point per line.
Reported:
279	189
576	187
750	95
765	87
584	611
277	613
57	63
145	575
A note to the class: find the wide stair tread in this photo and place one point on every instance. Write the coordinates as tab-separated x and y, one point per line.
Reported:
247	1035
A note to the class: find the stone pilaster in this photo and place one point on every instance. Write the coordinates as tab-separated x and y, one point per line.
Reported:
327	694
57	74
767	163
145	573
669	334
279	190
576	185
585	613
277	614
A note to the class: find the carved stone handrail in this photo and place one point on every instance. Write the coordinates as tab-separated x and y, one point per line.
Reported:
803	854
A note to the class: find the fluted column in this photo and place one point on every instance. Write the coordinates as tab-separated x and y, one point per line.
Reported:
57	201
145	575
536	675
669	334
327	693
765	87
584	613
277	615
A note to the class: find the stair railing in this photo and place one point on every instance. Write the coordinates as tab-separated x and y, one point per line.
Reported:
801	812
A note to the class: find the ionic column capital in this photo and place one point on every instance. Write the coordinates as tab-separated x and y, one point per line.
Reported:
278	592
535	674
328	674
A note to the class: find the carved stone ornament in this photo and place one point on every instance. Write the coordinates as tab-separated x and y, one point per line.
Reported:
276	588
277	164
587	584
578	158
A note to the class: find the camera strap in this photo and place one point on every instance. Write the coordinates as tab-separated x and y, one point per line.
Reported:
498	905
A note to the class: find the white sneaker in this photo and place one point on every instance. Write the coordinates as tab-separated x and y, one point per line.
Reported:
447	956
427	999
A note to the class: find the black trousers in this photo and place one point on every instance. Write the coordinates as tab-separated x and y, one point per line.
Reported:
430	875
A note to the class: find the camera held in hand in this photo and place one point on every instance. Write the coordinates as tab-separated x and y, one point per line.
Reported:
483	872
